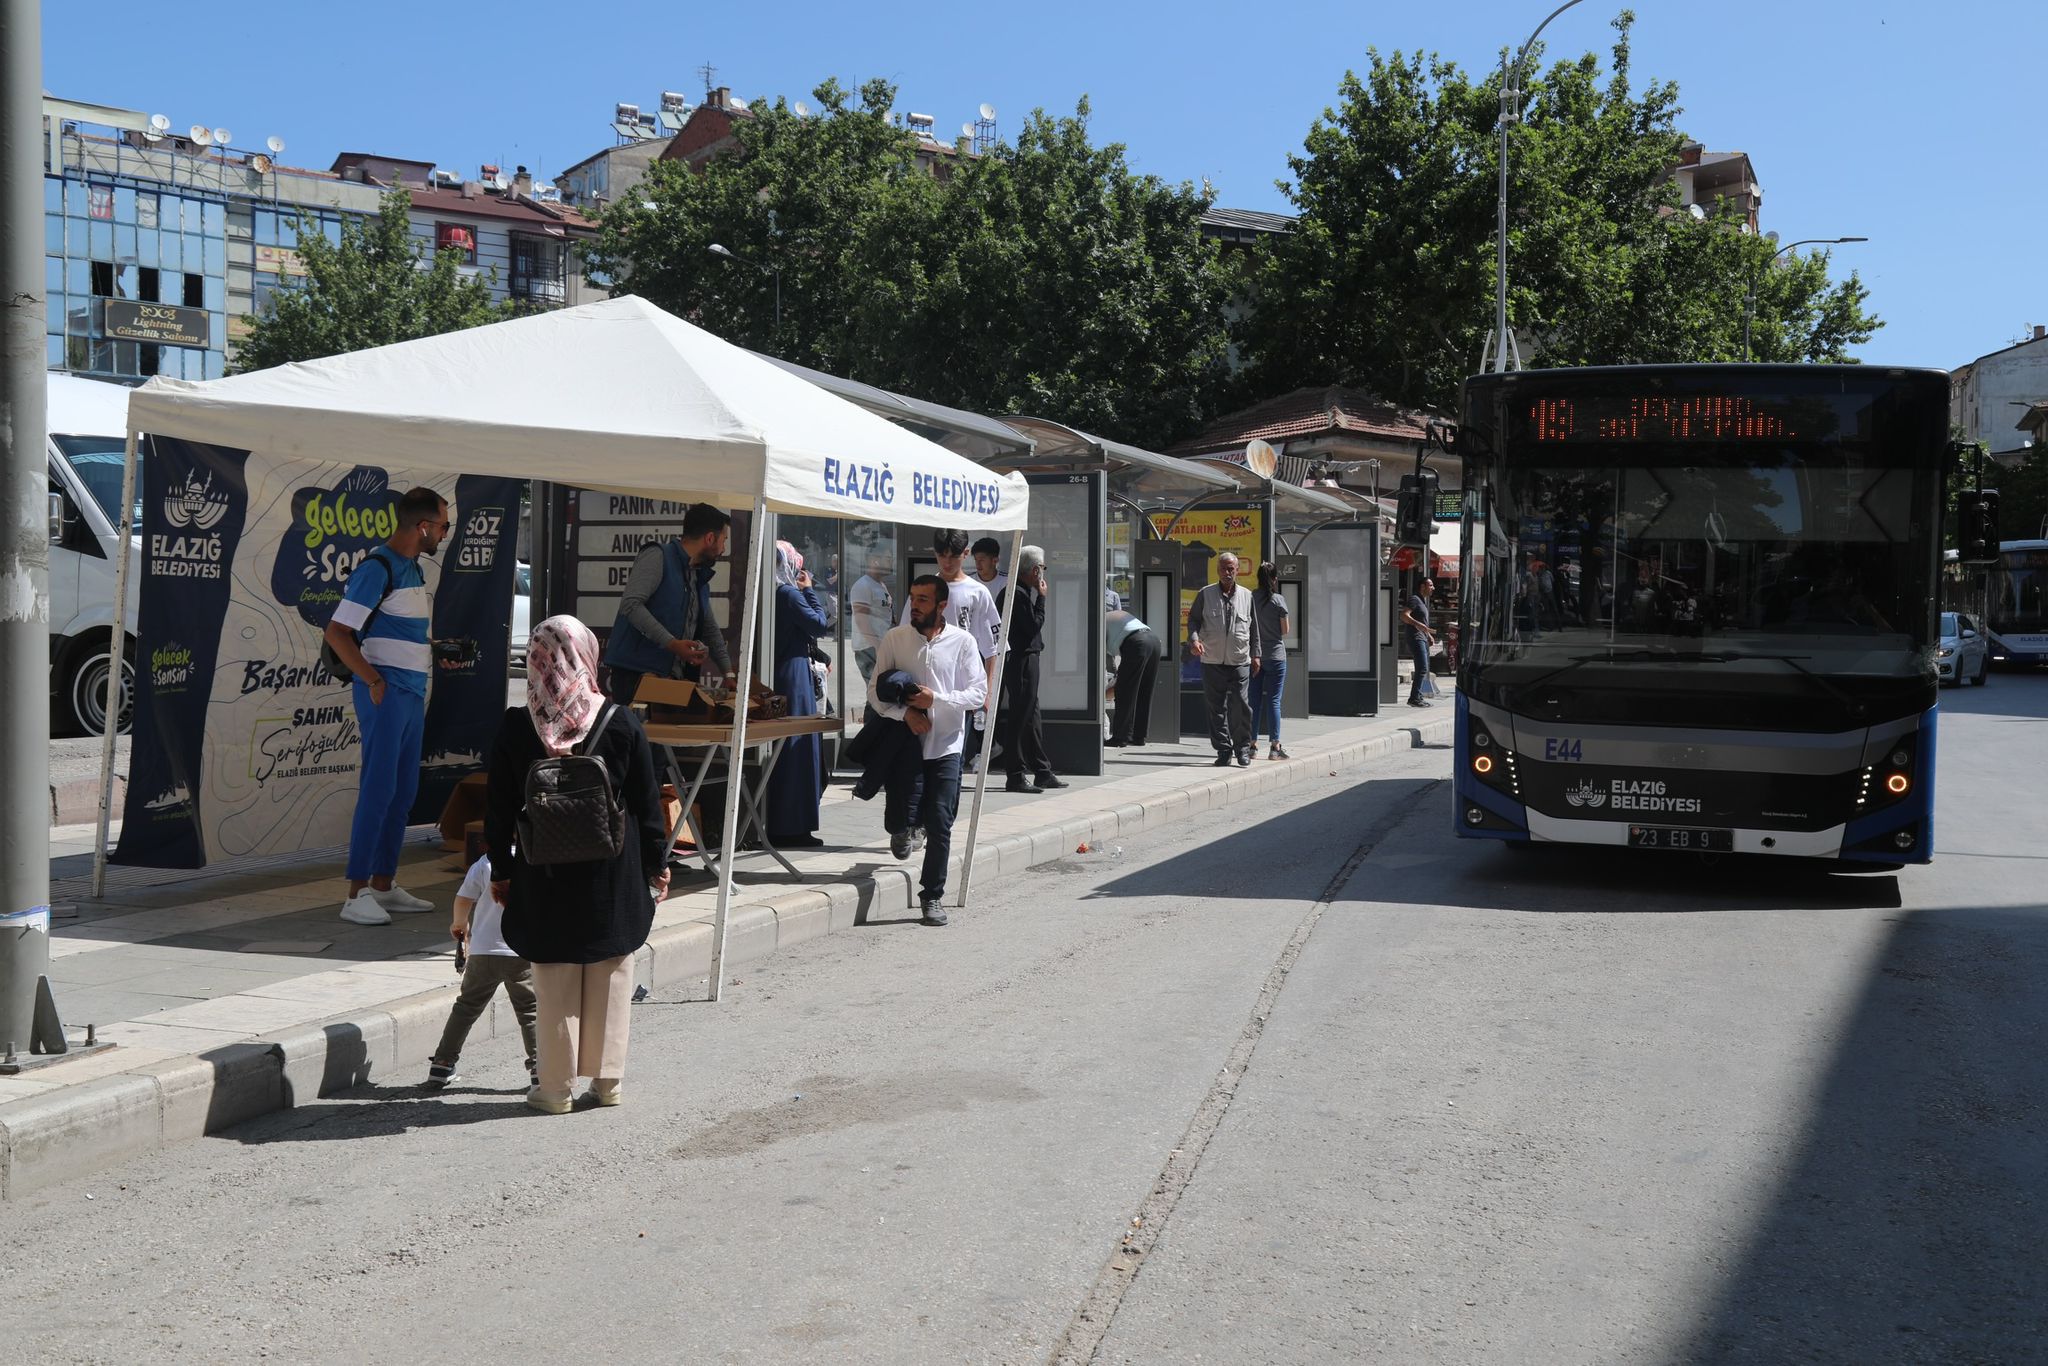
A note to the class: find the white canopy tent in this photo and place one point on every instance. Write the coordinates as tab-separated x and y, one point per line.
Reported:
624	396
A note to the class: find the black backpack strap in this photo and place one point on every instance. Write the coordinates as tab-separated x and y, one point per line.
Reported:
390	586
604	718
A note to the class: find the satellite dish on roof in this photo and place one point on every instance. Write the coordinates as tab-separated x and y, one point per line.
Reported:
988	111
221	136
966	131
274	143
1260	458
202	136
803	111
1696	211
261	165
159	124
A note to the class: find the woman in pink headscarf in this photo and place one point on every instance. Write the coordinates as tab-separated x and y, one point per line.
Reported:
577	923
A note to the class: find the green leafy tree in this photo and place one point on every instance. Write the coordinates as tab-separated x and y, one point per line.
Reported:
795	195
378	285
1045	277
1049	278
1388	279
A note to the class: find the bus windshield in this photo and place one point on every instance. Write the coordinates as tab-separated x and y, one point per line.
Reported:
2017	589
1687	547
1759	556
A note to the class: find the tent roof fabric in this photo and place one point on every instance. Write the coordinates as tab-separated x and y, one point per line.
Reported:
616	395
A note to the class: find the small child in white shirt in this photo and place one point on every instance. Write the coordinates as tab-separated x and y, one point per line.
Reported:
478	917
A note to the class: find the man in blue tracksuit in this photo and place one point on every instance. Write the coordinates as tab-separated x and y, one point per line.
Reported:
379	630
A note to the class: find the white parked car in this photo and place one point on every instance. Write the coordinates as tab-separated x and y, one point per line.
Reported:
1964	654
88	423
522	613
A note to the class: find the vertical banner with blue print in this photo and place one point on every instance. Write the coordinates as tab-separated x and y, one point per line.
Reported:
254	749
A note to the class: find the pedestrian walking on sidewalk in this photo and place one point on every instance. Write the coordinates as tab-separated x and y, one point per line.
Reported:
1136	649
1270	609
379	631
951	684
478	927
577	923
1020	729
1416	618
971	607
1223	632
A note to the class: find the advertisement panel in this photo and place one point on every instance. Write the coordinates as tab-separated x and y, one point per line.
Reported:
1203	533
244	744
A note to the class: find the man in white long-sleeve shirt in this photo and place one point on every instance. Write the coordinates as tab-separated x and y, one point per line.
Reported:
952	682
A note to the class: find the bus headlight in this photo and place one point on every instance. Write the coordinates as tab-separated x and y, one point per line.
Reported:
1897	784
1482	764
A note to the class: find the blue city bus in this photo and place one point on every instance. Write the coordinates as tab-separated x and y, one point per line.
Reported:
1698	608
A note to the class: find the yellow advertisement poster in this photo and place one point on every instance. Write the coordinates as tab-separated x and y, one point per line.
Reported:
1204	533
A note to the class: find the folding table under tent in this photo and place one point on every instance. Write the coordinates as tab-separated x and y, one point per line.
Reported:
636	400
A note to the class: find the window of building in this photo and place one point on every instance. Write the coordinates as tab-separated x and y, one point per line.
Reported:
456	237
195	291
537	264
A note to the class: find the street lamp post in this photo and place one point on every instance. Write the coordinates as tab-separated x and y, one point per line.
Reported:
1749	295
718	249
1510	112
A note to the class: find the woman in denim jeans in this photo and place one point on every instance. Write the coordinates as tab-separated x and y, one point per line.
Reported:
1267	683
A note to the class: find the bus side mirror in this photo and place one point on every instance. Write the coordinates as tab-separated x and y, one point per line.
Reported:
1977	526
59	516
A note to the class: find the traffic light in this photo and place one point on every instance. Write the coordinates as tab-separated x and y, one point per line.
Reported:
1415	508
1977	526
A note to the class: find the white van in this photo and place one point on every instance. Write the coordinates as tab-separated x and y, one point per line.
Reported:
88	422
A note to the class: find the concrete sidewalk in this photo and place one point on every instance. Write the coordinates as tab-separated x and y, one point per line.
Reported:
230	994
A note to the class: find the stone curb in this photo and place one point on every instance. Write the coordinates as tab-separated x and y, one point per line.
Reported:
77	802
49	1139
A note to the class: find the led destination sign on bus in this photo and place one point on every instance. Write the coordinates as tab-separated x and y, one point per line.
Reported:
1661	418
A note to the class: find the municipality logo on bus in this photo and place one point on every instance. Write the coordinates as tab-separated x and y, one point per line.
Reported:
1632	794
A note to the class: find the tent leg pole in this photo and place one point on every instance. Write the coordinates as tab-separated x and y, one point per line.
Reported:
118	638
988	739
736	766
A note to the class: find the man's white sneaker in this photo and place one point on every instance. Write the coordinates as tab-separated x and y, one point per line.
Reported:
400	900
364	909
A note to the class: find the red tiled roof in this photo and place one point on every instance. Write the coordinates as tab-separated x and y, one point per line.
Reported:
490	204
1308	412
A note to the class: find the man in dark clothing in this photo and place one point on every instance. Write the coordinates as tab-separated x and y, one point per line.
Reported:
1020	730
1416	618
665	626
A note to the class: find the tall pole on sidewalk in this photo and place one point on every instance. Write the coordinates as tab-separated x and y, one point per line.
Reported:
1510	113
24	547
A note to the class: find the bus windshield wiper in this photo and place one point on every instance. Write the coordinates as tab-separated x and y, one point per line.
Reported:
1849	704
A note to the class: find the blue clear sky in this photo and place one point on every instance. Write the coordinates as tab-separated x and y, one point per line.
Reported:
1914	124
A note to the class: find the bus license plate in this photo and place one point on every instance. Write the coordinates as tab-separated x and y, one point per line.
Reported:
1680	837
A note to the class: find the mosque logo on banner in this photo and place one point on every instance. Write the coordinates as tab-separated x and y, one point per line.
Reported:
192	548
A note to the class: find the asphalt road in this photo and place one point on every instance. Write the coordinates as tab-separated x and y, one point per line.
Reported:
1312	1081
